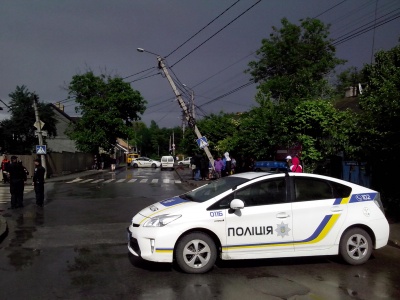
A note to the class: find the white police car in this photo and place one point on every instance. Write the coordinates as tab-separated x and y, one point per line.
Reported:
261	215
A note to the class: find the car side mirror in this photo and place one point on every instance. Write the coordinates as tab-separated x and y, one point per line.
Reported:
236	204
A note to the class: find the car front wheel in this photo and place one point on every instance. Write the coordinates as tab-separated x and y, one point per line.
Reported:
154	166
135	165
356	246
196	253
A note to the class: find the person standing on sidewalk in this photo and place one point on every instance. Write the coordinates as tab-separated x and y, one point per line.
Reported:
4	165
17	180
38	182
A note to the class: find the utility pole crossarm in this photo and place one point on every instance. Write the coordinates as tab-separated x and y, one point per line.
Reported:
182	104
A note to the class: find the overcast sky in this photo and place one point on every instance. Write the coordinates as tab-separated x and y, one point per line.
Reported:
43	43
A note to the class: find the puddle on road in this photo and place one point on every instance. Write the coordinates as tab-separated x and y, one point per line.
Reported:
26	224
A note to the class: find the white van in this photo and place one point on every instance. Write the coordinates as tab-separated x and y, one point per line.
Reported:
167	162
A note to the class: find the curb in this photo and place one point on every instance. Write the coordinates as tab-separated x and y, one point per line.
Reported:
3	228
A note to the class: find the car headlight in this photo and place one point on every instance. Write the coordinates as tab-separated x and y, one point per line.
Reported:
160	221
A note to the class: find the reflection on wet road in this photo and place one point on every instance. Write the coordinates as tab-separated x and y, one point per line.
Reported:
75	248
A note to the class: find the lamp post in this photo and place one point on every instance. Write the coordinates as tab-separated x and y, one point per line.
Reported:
191	121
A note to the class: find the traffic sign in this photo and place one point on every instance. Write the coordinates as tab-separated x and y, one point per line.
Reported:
39	125
44	132
202	142
40	149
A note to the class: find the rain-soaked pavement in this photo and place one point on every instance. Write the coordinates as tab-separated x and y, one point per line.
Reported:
75	248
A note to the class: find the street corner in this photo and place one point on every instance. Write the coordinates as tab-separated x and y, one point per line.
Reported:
3	228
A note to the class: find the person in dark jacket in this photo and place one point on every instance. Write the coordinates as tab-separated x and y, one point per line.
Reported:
38	182
17	178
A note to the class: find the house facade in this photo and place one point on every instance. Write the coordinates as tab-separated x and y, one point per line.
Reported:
61	143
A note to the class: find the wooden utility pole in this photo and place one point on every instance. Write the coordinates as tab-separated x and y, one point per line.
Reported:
182	104
39	125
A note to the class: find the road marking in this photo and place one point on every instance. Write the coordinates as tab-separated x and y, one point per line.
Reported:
5	189
75	180
98	180
5	196
87	180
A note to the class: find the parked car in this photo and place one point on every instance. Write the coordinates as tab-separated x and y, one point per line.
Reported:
167	162
185	162
145	162
261	215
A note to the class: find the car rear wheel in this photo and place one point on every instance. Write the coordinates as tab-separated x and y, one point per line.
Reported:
196	253
355	246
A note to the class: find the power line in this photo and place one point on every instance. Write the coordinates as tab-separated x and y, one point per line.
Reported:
144	77
347	37
329	9
228	93
212	21
139	72
216	33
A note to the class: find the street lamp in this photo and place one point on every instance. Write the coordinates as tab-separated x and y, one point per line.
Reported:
142	50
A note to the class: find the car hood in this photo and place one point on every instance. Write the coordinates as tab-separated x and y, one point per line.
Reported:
174	205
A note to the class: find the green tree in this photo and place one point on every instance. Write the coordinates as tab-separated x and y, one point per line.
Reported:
219	129
108	107
295	60
19	132
379	132
322	130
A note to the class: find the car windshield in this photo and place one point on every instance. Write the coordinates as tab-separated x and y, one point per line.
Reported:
214	188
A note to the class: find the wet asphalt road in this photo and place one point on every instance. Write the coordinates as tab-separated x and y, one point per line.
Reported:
75	248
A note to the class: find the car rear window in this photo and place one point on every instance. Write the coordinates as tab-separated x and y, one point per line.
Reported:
318	189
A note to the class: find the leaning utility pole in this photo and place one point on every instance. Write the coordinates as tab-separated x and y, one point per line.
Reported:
39	131
182	104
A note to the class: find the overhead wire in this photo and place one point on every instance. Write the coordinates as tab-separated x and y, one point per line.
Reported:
329	9
362	29
359	20
209	23
344	38
215	33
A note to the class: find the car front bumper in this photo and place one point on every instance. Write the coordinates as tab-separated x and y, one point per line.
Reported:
152	244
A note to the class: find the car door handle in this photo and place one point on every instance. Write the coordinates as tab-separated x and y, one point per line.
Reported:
336	208
282	215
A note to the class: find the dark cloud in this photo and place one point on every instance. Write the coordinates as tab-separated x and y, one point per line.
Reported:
44	43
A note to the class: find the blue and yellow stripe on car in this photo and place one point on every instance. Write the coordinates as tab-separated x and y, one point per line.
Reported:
164	250
319	234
